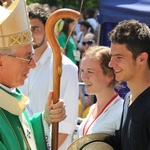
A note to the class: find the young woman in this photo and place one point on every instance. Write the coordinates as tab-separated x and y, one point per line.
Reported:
105	115
85	28
69	45
85	101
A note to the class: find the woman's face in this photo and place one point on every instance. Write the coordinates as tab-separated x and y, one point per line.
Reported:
71	26
92	75
88	42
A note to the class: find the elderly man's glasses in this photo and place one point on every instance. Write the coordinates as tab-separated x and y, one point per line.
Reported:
90	42
23	59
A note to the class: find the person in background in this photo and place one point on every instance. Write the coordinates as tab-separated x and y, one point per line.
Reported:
89	40
85	28
53	9
6	3
58	27
90	17
40	79
105	115
17	131
77	28
85	100
130	59
67	41
96	13
60	23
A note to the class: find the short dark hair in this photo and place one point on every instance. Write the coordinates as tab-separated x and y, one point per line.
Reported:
39	11
90	13
135	35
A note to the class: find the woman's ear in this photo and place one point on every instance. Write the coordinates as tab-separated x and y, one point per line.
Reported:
109	78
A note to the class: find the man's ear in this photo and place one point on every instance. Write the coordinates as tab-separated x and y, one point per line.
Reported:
143	57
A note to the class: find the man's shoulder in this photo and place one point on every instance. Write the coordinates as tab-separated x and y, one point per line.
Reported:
67	63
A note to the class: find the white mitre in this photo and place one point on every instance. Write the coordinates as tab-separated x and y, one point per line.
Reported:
14	25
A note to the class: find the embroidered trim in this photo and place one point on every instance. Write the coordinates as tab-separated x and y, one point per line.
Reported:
47	132
27	131
19	39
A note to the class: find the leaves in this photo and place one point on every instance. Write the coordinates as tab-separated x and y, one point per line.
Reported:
75	4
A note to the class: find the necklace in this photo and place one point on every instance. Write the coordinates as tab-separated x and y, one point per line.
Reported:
86	128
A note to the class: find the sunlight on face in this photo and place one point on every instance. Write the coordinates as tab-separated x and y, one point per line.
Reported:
88	39
14	71
92	75
122	62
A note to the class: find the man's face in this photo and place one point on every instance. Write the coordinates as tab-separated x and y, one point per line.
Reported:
38	33
13	71
122	62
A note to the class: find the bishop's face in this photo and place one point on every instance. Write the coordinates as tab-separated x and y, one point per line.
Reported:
14	68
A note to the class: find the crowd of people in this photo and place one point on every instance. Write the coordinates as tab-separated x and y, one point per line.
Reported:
26	80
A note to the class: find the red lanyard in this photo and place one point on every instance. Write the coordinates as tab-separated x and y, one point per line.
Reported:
85	132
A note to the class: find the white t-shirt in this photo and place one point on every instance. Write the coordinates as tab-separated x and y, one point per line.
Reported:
93	23
108	121
40	82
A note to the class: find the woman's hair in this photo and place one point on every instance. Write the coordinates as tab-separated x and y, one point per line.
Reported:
102	54
65	28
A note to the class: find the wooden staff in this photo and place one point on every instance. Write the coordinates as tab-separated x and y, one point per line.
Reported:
57	59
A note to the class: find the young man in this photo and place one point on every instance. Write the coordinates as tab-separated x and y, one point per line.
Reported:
130	50
17	131
40	79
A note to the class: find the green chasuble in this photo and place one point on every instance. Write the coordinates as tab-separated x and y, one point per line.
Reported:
12	135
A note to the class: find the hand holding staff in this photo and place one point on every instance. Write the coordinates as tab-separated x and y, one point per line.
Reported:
57	58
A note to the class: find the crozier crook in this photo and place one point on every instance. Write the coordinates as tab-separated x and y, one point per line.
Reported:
57	59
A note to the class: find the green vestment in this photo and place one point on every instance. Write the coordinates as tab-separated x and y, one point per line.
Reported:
12	136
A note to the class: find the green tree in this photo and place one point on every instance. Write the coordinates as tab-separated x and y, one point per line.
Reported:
75	4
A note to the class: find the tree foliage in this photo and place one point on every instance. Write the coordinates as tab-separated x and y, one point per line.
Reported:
73	4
